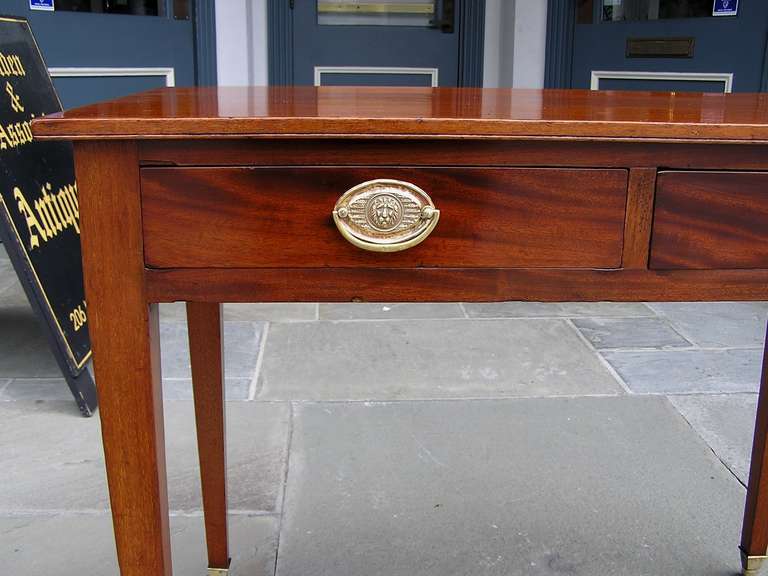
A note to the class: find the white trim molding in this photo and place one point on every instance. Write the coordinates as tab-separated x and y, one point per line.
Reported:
320	70
726	78
78	72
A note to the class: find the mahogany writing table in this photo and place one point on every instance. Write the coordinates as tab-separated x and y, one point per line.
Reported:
209	195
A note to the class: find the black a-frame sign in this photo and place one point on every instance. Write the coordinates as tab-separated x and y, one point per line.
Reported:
39	211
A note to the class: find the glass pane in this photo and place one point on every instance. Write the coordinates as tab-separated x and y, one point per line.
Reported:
618	10
375	12
137	7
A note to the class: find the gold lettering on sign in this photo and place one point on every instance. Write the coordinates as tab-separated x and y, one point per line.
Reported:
10	65
52	213
16	104
78	316
15	134
32	223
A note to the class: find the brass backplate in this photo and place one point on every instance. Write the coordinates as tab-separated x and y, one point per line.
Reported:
385	215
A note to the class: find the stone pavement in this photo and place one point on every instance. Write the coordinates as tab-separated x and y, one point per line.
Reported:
455	439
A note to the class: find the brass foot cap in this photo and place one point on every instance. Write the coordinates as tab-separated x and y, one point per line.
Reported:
751	564
219	571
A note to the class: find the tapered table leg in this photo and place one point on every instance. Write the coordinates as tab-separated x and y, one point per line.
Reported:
754	536
205	349
124	336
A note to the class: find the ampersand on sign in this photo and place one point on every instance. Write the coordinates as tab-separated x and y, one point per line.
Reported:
16	104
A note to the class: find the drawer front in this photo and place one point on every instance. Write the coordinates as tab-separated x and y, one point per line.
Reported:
710	220
247	217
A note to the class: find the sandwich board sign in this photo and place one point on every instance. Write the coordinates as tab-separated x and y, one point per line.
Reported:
39	210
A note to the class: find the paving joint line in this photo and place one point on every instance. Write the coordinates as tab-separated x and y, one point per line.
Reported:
698	393
483	318
590	347
661	314
284	491
379	401
707	444
728	393
672	326
253	389
680	349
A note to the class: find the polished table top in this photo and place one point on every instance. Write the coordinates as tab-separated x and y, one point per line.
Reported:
403	111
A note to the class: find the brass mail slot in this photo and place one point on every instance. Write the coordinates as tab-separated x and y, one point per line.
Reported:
660	47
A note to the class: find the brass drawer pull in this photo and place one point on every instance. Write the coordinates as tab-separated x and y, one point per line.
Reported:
385	215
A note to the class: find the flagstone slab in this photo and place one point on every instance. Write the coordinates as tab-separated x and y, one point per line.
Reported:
53	460
380	311
241	349
616	486
612	333
556	309
688	371
726	422
718	324
73	545
409	359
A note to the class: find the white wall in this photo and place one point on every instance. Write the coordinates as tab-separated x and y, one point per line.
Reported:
515	43
498	48
241	42
529	43
514	46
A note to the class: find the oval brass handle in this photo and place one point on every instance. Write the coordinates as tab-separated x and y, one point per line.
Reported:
385	215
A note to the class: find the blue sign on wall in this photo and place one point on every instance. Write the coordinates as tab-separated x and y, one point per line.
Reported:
41	4
725	8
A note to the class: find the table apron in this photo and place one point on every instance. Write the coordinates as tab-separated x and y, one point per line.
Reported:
450	284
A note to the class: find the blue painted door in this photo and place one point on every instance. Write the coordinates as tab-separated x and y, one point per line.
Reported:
145	43
367	42
611	36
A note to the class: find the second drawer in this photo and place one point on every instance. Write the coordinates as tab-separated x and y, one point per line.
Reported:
281	217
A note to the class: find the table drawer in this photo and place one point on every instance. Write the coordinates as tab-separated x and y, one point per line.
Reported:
282	217
710	220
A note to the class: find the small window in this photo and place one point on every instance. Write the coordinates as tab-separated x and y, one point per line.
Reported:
588	11
375	12
619	10
135	7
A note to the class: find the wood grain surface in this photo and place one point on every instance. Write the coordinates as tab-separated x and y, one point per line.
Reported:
710	220
496	217
637	230
466	152
452	285
211	112
204	323
126	349
754	536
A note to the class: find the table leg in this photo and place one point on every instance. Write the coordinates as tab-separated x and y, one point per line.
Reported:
754	535
124	333
205	349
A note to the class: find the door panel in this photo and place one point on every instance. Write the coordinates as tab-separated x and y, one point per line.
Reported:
728	44
662	85
339	77
92	40
79	91
383	35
